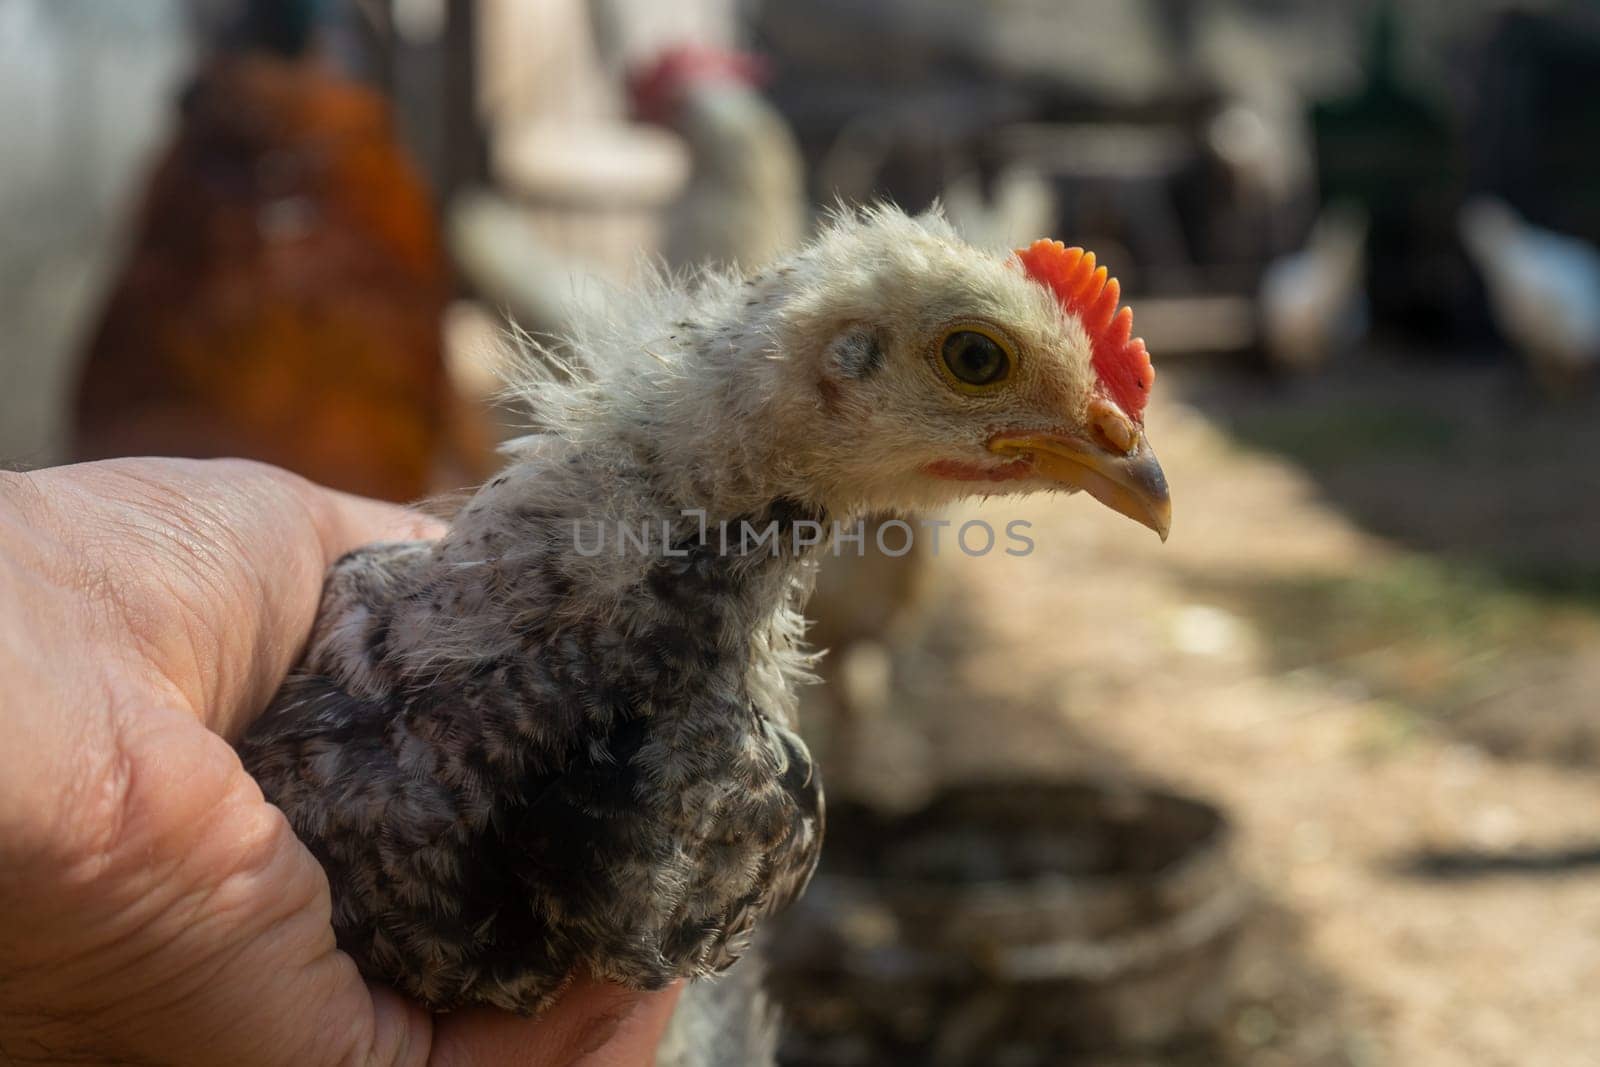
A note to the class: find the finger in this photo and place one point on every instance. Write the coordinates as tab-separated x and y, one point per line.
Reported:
214	568
639	1034
346	522
592	1025
402	1031
279	533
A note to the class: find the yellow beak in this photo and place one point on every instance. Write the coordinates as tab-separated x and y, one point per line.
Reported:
1131	483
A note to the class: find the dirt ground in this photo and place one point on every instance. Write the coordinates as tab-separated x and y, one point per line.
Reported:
1372	639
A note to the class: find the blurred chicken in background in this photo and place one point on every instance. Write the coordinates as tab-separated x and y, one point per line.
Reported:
1313	301
1544	293
746	199
283	291
1003	212
542	289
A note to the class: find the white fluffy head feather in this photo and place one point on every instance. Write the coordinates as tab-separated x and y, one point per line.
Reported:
747	388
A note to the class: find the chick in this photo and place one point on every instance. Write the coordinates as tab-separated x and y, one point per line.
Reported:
558	741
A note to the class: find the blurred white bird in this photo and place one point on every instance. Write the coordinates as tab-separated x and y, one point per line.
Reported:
1021	204
544	290
1313	302
1544	292
746	199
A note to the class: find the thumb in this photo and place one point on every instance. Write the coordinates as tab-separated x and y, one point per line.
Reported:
402	1031
592	1025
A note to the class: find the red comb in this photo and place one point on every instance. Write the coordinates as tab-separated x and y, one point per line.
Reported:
1090	295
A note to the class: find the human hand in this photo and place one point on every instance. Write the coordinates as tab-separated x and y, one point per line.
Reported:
153	907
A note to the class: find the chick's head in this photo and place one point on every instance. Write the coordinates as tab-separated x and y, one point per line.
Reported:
923	370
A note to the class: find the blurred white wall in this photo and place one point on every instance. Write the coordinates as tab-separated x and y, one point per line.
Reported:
86	93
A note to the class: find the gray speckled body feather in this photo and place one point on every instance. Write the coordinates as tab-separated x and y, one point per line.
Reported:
610	791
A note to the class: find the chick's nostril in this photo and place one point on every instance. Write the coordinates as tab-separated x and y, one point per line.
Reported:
1112	429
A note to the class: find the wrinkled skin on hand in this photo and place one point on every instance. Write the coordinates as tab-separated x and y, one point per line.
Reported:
153	908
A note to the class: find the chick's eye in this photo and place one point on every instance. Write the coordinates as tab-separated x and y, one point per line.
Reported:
975	358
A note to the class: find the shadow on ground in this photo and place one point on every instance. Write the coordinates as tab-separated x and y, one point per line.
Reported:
1274	1006
1466	462
1490	624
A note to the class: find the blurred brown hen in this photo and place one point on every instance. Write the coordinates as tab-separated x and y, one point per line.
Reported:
283	294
